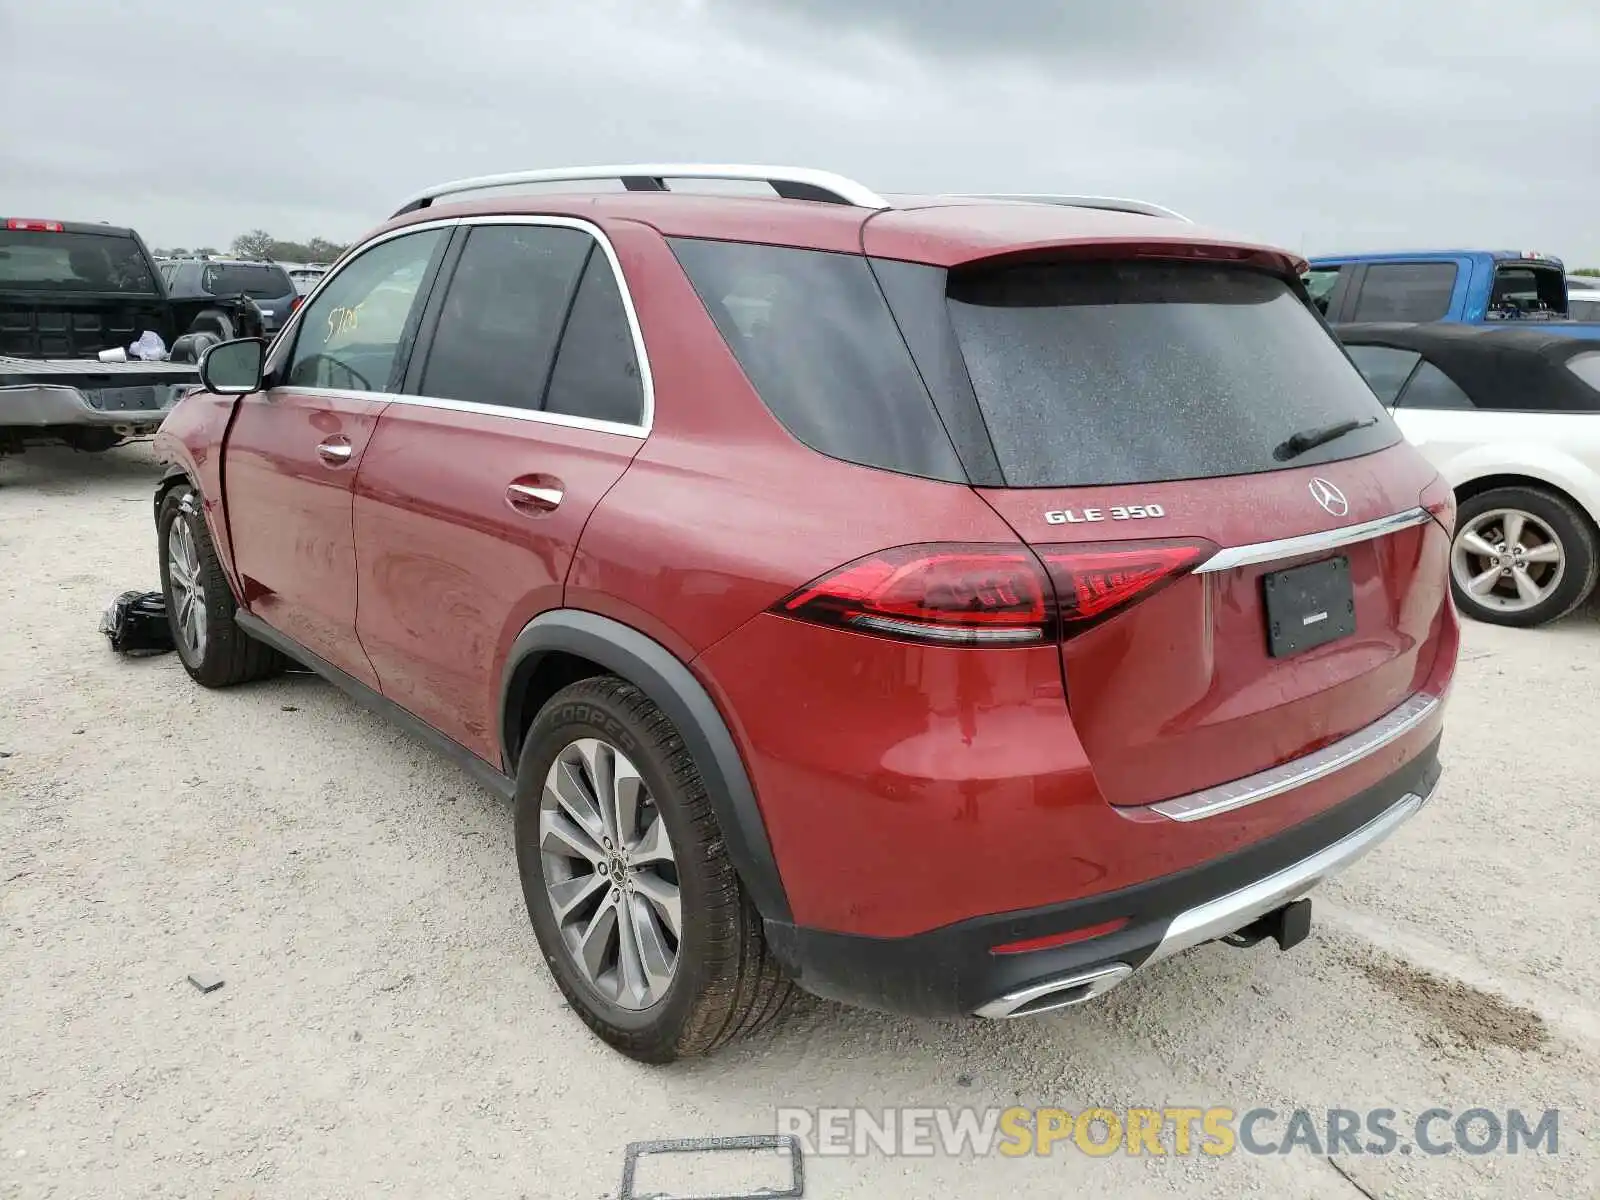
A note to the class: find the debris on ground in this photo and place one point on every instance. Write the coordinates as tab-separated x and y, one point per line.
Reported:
136	624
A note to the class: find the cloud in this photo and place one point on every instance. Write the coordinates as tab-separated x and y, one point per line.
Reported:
1354	125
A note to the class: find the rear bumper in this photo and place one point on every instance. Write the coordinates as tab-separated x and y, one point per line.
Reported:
953	972
141	406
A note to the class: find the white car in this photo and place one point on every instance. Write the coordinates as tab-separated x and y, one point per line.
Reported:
1511	419
1583	297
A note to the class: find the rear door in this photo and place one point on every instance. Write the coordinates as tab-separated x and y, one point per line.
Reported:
524	405
1233	595
293	451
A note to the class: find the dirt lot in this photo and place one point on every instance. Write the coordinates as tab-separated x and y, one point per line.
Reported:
386	1026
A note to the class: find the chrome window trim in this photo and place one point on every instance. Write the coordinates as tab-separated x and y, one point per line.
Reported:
646	377
1312	543
486	410
1252	789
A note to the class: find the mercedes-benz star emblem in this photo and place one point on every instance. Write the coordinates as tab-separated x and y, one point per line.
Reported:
1330	497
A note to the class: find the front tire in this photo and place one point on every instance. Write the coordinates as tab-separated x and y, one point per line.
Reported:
1521	557
640	914
200	604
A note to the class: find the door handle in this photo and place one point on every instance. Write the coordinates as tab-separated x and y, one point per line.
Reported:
528	495
335	452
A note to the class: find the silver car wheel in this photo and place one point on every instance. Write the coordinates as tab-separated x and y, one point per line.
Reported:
609	874
188	590
1507	560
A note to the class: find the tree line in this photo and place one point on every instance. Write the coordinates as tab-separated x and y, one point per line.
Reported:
260	246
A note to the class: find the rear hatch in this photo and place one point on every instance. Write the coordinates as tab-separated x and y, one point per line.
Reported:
1243	568
71	294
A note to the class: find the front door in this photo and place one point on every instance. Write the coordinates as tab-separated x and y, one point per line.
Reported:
294	450
524	406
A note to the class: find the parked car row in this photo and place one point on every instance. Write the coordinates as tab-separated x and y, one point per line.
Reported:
945	605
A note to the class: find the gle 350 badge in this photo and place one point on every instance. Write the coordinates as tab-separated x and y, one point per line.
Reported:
1117	512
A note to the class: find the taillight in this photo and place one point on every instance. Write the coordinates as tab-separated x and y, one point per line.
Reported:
1439	498
294	305
973	594
1096	581
23	224
949	594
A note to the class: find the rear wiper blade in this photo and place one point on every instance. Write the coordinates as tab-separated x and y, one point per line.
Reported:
1297	444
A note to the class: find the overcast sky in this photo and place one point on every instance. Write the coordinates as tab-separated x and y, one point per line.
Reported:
1345	124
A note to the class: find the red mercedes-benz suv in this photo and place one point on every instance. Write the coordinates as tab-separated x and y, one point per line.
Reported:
948	605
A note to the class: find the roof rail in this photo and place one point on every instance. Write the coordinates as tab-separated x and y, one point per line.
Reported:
1109	203
791	183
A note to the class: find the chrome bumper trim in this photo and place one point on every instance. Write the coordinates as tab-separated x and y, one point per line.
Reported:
1212	920
1312	543
1225	797
1230	913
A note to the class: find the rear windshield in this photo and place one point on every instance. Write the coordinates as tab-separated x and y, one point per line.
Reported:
1101	373
73	262
256	281
1528	291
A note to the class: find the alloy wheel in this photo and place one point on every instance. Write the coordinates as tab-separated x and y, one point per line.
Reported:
188	590
1507	559
609	874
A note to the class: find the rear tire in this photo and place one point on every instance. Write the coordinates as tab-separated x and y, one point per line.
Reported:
200	604
1521	557
214	320
670	857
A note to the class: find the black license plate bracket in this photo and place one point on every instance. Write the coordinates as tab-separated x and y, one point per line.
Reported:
1308	606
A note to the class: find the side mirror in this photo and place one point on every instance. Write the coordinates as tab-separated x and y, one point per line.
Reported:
234	368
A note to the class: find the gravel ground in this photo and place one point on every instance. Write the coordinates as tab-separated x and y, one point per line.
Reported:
387	1028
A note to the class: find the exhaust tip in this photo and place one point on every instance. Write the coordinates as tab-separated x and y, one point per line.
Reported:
1055	993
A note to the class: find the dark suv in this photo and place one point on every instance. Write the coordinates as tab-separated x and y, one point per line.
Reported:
949	606
266	283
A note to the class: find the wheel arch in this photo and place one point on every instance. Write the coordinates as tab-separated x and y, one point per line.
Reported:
172	477
1480	484
176	475
565	645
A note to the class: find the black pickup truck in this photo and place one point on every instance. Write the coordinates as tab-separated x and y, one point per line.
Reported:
69	291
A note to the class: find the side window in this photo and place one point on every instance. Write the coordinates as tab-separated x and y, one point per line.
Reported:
596	373
1406	292
1432	388
815	337
1320	282
353	335
1385	368
503	313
